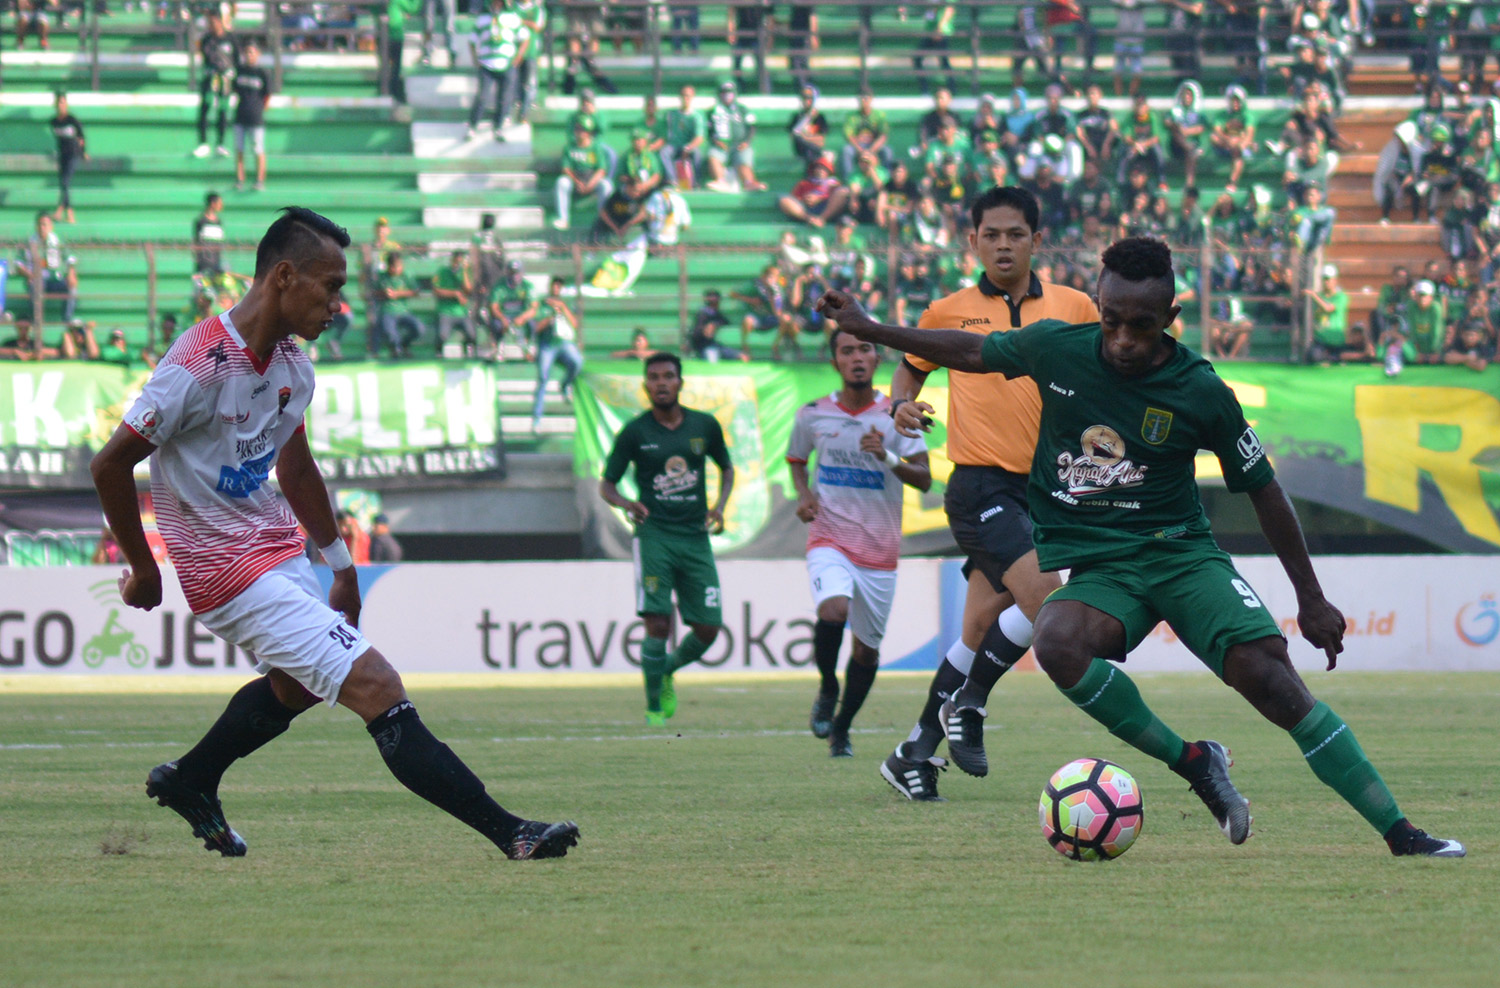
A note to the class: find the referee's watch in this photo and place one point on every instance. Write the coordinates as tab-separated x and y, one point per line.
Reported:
895	404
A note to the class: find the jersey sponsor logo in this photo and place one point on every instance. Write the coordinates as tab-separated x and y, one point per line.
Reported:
675	478
1156	425
870	480
244	480
974	321
1100	465
146	422
259	389
234	419
1065	392
1250	449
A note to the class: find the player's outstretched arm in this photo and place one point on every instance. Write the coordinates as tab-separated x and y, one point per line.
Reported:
113	470
302	485
952	348
1321	623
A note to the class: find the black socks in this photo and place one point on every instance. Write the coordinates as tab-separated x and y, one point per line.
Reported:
923	742
858	678
827	638
253	717
429	768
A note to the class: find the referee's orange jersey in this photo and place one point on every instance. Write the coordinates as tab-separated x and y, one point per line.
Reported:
992	422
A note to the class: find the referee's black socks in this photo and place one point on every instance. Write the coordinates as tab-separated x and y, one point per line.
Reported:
429	768
1002	647
252	717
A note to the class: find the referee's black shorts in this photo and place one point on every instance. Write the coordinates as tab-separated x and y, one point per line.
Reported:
986	509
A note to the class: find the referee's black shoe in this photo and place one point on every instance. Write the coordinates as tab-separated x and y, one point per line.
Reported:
913	778
200	809
964	729
534	840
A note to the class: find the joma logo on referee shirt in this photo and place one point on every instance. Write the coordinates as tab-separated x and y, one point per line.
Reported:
974	321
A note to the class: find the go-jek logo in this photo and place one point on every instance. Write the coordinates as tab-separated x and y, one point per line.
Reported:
1478	622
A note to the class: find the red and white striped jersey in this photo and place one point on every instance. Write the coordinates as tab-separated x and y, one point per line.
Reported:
219	418
859	499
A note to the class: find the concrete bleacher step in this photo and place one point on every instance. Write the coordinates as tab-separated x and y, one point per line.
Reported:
433	183
440	139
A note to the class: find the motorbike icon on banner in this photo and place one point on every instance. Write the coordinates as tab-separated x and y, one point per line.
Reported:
112	641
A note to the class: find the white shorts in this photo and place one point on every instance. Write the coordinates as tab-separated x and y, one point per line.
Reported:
283	621
870	591
256	135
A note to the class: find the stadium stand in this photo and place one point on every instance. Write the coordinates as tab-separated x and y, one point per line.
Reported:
338	141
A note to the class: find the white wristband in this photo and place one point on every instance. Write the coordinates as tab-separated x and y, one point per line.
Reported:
892	460
337	555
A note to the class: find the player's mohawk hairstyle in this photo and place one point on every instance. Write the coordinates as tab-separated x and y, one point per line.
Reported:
1138	259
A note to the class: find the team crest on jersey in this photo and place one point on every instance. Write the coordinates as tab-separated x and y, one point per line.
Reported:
1101	463
1156	425
282	397
696	444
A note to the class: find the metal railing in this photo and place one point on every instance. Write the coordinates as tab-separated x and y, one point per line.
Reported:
182	30
662	301
900	41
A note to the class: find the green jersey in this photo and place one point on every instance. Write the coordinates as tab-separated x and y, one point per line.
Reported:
1113	470
583	161
642	165
1427	326
512	300
683	127
400	283
1331	328
669	469
450	280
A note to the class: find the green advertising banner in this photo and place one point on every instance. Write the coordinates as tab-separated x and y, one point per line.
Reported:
1420	453
376	425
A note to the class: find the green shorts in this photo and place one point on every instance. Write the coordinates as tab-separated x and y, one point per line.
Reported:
664	564
1197	591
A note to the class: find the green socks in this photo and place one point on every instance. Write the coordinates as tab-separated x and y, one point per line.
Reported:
690	649
1336	758
1109	696
654	666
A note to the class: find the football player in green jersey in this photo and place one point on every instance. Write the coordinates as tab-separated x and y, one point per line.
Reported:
669	446
1112	494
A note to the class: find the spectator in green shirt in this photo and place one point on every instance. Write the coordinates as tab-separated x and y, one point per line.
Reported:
682	154
642	167
1233	135
1330	325
590	119
584	171
454	289
1426	323
866	131
512	307
399	326
396	12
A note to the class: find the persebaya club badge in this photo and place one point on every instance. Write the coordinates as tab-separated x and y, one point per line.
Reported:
696	445
1155	426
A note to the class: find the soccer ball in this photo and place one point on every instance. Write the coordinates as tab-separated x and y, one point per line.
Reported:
1091	810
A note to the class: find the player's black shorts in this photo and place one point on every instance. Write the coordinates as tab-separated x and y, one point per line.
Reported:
986	509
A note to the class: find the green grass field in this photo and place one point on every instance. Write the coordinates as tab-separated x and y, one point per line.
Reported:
733	851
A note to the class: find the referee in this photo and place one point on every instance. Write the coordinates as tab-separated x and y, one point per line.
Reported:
992	432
